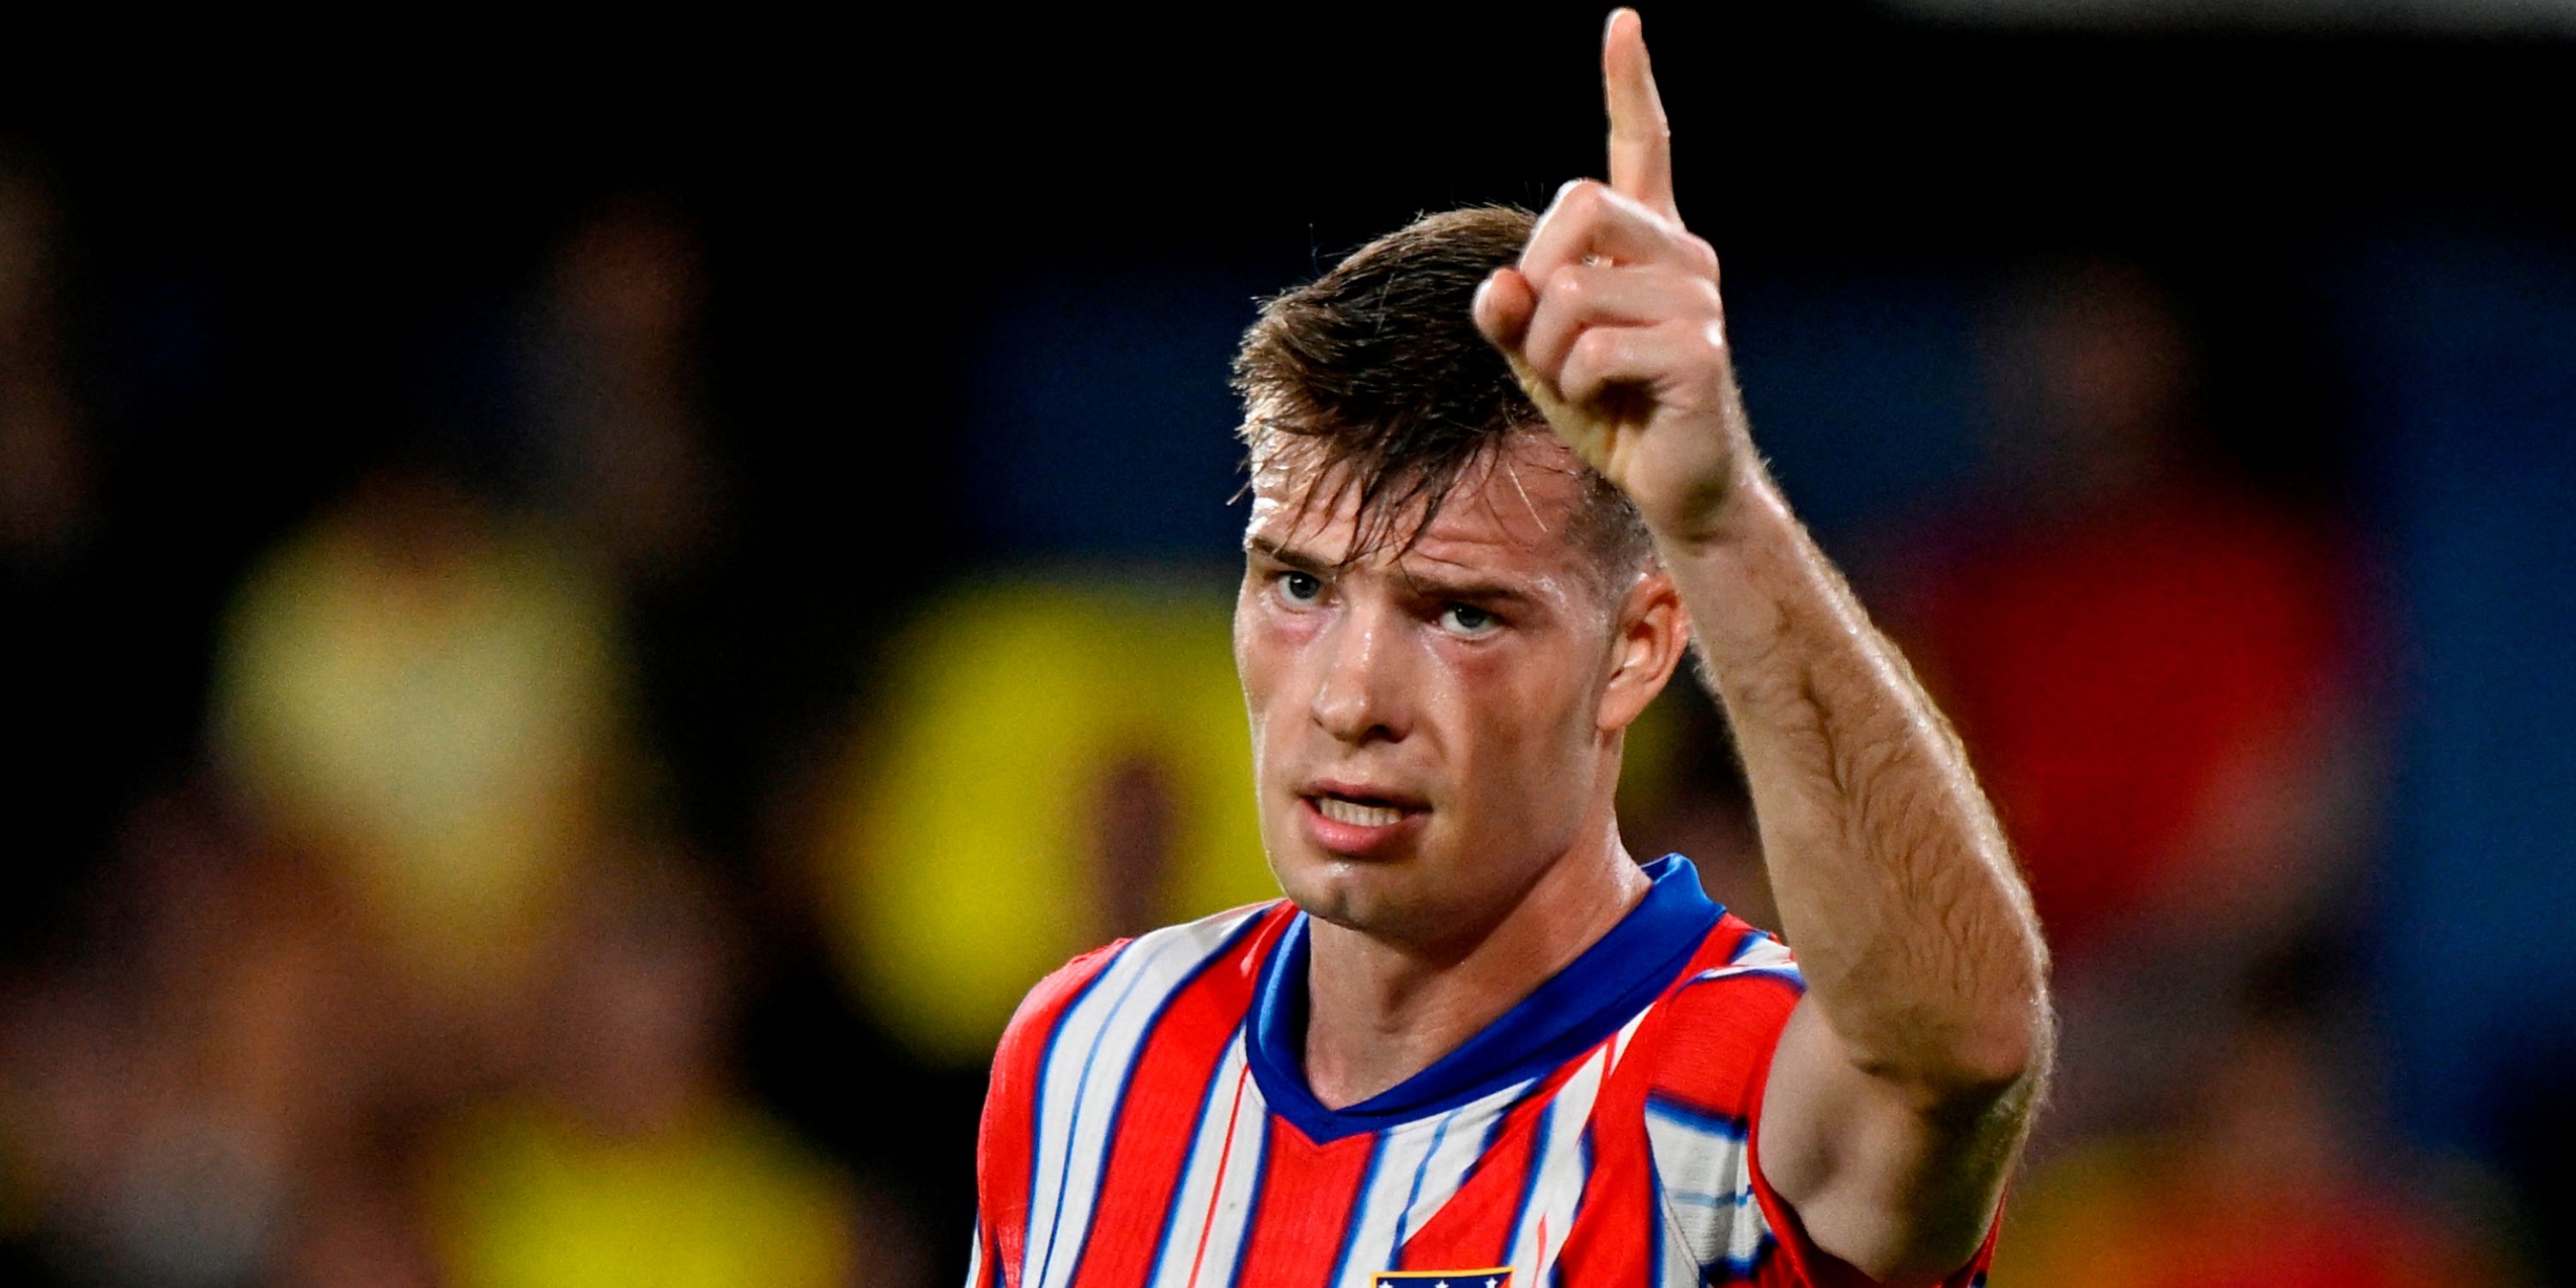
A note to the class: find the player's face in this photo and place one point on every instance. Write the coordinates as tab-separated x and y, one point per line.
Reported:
1425	726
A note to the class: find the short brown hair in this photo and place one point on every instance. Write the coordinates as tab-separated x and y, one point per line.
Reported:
1378	364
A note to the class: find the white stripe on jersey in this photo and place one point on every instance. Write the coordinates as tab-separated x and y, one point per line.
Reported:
1759	955
1676	1266
1084	1077
1706	1175
1214	1199
1420	1165
1628	1031
1559	1172
975	1257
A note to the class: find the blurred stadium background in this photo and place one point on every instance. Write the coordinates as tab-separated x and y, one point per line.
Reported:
577	626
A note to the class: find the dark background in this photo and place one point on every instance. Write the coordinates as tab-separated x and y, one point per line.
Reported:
968	285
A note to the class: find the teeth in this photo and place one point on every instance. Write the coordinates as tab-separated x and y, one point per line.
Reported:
1352	812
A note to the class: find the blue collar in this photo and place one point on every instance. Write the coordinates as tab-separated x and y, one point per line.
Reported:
1579	1006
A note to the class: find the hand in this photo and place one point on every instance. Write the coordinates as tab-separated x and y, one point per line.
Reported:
1613	323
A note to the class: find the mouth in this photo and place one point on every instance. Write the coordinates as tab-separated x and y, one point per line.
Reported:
1357	820
1356	813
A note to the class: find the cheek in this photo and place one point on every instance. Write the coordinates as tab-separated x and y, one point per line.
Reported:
1519	690
1526	725
1265	659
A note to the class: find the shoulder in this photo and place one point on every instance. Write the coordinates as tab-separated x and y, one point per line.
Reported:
1703	1052
1739	969
1102	1009
1132	974
1711	1035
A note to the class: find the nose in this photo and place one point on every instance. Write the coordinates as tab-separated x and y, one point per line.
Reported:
1359	695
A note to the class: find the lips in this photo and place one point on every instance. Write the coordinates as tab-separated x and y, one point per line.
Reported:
1357	818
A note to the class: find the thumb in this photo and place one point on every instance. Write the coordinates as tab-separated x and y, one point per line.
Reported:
1502	308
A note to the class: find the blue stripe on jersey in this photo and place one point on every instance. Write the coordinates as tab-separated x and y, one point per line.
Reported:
1583	1146
1582	1004
1037	1098
1118	1107
1404	1219
1746	1268
1082	1098
1529	1180
1359	1206
1674	1109
1485	1147
1693	1198
1657	1231
1181	1182
1251	1207
1743	944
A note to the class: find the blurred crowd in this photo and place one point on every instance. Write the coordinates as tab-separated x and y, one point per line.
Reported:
413	958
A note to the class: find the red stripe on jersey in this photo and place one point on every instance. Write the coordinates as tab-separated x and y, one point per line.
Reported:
1621	1222
1703	1037
1614	1238
1474	1228
1006	1143
1308	1192
987	1264
1158	1118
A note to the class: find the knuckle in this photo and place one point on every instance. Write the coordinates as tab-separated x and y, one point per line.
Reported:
1703	257
1598	348
1566	286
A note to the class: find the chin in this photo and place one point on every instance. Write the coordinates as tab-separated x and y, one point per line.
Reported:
1368	898
1343	891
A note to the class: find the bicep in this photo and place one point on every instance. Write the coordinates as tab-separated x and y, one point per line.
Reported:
1902	1188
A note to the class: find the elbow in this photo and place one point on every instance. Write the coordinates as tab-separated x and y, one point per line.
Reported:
2002	1058
2008	1037
1970	1064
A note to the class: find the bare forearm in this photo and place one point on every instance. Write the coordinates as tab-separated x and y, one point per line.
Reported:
1894	884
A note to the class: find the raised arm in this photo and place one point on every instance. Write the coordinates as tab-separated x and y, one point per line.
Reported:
1903	1087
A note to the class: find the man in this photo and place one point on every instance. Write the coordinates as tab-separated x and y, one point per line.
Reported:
1479	1044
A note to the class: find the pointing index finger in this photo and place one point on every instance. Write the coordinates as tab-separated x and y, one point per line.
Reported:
1641	140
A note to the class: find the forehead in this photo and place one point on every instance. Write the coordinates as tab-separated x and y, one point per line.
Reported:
1513	507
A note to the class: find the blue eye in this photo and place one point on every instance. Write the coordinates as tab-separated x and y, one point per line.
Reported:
1467	619
1301	587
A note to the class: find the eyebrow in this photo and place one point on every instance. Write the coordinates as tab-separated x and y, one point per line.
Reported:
1279	553
1425	585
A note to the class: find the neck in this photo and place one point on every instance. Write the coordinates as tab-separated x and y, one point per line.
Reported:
1380	1012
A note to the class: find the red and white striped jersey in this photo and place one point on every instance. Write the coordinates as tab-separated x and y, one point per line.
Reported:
1149	1123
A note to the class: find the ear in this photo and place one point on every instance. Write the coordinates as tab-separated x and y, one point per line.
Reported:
1646	642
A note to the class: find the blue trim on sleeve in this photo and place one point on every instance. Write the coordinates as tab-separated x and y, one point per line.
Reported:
1577	1008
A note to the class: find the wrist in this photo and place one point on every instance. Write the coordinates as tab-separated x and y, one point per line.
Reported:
1746	509
1740	575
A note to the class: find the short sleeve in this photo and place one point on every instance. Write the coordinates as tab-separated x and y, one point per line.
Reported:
1799	1260
1006	1136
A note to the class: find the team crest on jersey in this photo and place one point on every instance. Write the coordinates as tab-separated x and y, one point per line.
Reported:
1497	1277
